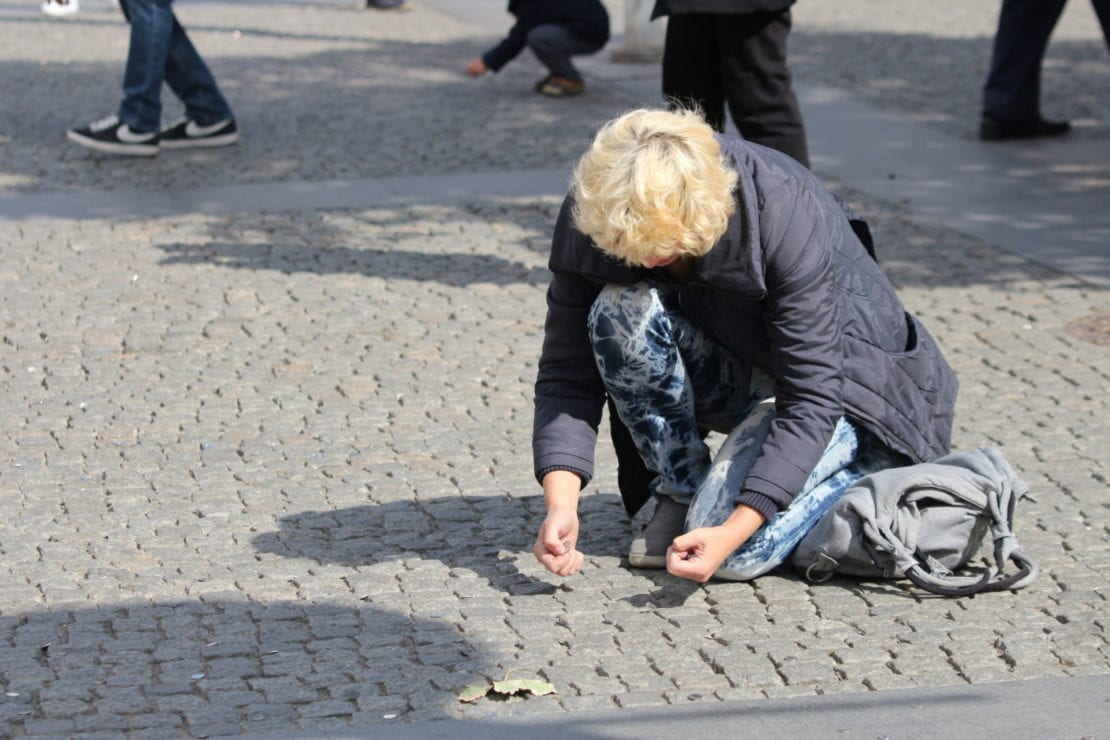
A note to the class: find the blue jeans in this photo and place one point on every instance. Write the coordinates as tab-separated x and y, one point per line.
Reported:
669	382
554	45
161	52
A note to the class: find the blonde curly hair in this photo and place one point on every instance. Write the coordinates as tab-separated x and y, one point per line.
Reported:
653	185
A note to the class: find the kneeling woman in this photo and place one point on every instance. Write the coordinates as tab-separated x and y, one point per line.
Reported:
704	283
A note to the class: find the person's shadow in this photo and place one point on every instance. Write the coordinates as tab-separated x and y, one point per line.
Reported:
74	667
456	270
487	535
491	536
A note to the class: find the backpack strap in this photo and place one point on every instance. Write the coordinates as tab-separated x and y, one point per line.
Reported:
1006	547
1027	571
950	585
882	545
986	581
892	557
1001	502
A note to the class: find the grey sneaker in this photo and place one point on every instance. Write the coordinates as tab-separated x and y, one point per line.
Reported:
649	547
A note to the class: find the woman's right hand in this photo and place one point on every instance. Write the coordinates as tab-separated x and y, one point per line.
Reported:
556	541
555	544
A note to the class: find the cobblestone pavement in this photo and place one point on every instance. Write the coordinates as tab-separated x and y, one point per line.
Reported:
272	471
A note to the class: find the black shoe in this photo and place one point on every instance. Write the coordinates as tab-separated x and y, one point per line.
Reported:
998	129
115	137
186	134
398	5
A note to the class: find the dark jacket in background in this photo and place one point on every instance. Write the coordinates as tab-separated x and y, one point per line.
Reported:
675	7
790	288
586	19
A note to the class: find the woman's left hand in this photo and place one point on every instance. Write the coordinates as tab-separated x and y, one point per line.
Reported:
698	553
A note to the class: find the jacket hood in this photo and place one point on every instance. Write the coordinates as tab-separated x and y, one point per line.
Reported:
734	264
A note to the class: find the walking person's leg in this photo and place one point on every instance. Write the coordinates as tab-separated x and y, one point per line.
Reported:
757	80
134	129
692	66
208	118
191	81
149	47
1012	93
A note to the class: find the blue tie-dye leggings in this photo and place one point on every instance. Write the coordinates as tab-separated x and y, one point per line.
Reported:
669	382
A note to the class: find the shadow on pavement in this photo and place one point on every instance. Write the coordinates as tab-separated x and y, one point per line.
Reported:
455	270
217	667
485	535
455	246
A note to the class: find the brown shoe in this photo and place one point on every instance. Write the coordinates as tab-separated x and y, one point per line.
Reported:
561	87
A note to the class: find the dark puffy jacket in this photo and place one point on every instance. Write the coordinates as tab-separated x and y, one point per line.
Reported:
675	7
790	288
586	19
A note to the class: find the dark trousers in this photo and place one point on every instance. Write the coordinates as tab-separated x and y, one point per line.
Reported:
554	45
1013	89
711	59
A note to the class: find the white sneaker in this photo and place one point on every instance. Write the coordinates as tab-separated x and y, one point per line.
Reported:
59	8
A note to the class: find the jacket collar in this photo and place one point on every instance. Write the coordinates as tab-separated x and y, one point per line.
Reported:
735	263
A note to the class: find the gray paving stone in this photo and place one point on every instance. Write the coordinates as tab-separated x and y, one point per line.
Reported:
48	727
787	692
637	699
155	721
590	702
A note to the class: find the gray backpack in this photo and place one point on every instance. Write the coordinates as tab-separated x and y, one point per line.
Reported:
924	522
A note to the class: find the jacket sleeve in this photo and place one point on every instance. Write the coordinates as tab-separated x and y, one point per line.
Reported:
509	48
803	326
569	390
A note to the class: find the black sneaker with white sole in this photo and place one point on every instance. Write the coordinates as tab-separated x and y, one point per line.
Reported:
113	136
187	133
